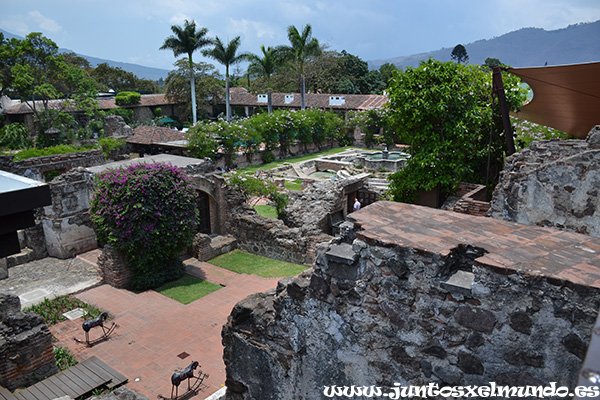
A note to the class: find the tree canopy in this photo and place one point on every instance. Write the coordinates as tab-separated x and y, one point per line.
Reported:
459	54
444	111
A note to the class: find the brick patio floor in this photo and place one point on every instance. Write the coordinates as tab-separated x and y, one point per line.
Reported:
153	330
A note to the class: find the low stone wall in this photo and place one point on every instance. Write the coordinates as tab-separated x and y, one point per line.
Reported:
26	353
552	183
397	305
206	247
472	199
34	168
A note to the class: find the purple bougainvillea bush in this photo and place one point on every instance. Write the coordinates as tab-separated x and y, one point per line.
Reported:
148	212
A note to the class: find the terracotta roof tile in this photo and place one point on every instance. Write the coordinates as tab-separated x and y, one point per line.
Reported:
154	134
147	100
241	97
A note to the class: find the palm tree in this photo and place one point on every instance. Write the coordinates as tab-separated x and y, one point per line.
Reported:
266	66
226	55
303	46
186	41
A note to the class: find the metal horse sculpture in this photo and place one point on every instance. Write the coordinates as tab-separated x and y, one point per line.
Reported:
187	373
98	321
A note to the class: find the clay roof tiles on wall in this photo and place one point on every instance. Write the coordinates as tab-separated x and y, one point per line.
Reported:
154	134
147	100
241	97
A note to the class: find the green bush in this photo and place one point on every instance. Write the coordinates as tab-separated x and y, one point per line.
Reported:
64	358
127	98
15	136
125	113
109	144
48	151
148	212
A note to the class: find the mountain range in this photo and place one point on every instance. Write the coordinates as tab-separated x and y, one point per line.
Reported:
525	47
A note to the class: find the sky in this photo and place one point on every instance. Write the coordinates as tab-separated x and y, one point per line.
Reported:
133	30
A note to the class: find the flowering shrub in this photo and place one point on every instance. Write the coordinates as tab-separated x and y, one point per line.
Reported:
147	211
526	132
250	185
281	128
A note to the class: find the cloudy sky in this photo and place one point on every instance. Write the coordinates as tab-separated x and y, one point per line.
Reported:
133	30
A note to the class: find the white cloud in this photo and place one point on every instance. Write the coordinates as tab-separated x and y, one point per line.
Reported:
46	24
251	29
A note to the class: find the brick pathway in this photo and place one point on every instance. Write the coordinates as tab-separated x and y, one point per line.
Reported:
154	331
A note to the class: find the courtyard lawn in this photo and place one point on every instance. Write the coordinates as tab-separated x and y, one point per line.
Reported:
187	289
266	211
246	263
296	159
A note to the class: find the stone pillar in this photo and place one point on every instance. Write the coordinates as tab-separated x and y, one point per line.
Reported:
26	353
113	268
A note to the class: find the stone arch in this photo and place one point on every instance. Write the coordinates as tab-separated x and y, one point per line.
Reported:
210	205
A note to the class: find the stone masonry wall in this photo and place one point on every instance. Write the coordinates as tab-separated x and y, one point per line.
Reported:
67	226
26	353
113	268
552	183
375	312
34	168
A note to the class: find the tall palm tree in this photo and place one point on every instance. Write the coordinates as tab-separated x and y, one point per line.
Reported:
226	55
266	66
302	47
186	40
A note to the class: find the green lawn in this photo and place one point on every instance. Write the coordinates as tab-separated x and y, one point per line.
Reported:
266	211
246	263
296	159
293	185
187	289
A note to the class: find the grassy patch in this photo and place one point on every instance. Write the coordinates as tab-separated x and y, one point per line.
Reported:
64	358
295	159
246	263
52	310
266	211
187	289
293	185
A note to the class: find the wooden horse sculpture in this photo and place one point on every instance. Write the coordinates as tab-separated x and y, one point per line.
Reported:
98	321
178	377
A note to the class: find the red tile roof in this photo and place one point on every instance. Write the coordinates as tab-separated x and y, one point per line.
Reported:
241	97
147	100
154	134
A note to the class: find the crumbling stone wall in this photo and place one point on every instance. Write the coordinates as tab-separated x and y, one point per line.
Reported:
113	268
67	227
377	313
34	168
26	353
552	183
305	224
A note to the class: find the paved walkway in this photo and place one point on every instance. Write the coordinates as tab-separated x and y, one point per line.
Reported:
51	277
156	335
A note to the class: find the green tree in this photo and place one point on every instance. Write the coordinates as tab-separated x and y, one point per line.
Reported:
267	65
302	47
459	54
492	62
186	40
209	86
444	112
387	71
227	55
41	74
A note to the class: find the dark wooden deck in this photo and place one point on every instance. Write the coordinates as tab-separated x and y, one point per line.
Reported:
74	382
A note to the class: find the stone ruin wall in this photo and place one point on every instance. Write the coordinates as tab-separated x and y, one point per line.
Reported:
26	353
552	183
379	314
306	224
68	230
